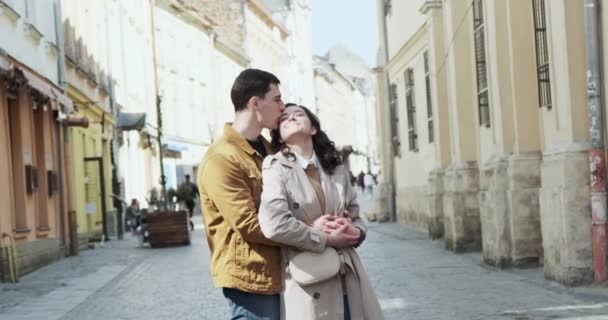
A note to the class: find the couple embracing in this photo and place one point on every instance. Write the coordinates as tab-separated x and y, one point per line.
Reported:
281	217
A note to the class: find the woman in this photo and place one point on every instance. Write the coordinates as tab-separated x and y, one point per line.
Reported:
308	204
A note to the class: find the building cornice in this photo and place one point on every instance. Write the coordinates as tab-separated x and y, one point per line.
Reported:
187	14
411	43
429	5
231	51
6	10
258	7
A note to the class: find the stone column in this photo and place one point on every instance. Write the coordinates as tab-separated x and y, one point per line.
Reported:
496	139
524	212
510	178
460	205
441	122
565	193
524	164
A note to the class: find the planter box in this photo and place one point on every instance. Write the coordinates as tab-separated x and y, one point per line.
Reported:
167	228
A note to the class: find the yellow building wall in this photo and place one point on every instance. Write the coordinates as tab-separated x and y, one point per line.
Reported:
412	168
567	122
89	143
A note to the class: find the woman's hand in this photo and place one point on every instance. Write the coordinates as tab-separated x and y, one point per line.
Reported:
321	221
338	238
349	228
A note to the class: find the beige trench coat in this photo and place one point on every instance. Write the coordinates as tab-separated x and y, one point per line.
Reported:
289	204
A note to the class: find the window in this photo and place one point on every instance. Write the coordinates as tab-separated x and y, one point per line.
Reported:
393	104
542	54
30	11
410	104
480	64
429	101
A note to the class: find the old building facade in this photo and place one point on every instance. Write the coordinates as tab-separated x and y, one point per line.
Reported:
487	102
87	75
33	107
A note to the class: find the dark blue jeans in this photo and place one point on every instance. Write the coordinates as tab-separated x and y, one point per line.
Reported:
251	306
346	309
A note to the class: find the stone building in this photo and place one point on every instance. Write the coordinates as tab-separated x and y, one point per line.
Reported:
33	114
489	127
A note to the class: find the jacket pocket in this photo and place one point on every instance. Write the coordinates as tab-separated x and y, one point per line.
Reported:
254	180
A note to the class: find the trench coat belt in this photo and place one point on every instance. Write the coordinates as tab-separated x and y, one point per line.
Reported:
342	273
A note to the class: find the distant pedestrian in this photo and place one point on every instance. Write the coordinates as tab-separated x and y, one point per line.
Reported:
131	216
353	179
360	179
369	183
188	192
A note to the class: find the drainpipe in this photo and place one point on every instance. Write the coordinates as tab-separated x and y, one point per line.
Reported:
387	117
597	155
64	170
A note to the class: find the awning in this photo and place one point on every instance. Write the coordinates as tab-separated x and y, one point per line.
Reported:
37	84
131	121
175	146
170	151
5	65
63	100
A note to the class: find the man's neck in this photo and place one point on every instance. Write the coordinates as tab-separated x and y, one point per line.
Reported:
246	124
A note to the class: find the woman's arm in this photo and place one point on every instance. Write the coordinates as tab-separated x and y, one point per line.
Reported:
276	219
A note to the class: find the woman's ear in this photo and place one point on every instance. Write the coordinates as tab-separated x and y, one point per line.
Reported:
313	130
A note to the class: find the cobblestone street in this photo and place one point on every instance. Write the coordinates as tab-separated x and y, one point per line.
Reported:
415	278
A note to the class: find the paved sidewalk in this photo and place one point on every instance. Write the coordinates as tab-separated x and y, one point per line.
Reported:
414	278
61	286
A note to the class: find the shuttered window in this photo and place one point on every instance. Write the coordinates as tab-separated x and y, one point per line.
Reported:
542	54
410	103
480	63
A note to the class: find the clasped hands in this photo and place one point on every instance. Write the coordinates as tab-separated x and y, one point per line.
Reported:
340	231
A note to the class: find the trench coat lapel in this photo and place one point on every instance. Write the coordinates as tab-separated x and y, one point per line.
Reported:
300	189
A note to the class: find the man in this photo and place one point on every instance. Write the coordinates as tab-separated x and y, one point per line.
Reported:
188	191
369	183
244	263
131	215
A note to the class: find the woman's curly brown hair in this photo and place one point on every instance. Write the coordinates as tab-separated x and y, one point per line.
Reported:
325	149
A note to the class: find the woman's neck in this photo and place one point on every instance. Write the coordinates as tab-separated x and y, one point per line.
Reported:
303	147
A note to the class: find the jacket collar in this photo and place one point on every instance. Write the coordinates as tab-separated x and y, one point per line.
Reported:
233	137
304	162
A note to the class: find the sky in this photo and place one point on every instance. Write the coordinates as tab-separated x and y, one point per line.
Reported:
351	23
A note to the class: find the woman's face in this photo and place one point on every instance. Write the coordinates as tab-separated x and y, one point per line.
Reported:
293	123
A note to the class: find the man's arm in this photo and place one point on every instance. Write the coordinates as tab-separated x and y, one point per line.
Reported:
352	206
225	185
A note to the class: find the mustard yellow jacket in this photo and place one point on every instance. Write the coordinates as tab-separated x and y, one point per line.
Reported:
230	184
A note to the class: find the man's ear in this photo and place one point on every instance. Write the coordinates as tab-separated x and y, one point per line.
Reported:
254	102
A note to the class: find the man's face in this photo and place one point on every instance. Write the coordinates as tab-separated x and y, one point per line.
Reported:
269	108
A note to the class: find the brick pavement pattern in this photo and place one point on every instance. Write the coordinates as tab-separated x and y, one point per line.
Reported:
415	278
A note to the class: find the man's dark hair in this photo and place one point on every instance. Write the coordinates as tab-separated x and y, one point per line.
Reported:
187	177
251	83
